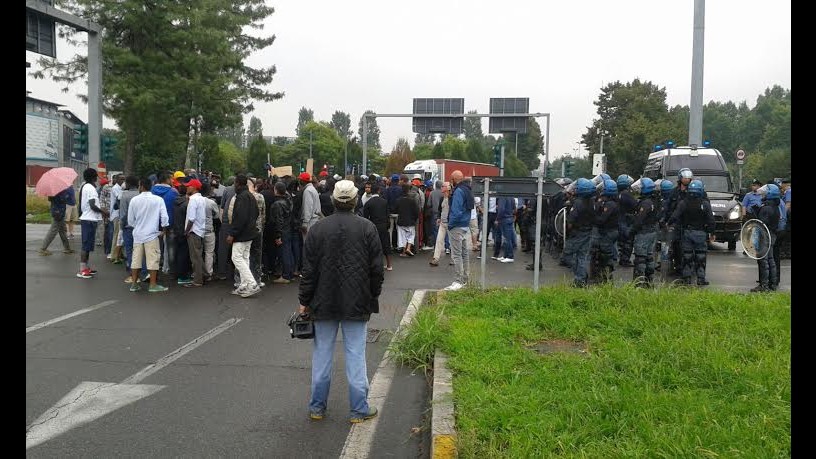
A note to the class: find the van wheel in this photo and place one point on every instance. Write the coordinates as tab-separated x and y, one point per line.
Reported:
732	245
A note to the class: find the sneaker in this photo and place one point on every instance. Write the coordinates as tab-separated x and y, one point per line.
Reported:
500	259
146	278
372	413
108	256
157	288
192	284
453	287
702	282
250	291
759	288
495	258
184	281
238	291
135	287
508	260
92	271
261	284
44	253
69	251
434	262
281	280
117	261
315	416
85	274
447	251
389	268
70	236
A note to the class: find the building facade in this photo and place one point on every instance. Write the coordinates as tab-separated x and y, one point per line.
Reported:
50	139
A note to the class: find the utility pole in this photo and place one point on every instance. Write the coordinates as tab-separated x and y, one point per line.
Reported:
696	104
310	144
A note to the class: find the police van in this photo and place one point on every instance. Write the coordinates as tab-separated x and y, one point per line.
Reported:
708	165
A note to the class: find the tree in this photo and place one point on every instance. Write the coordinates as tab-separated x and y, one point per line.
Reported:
373	135
423	151
257	157
428	139
634	117
305	116
476	151
473	127
234	134
400	156
168	62
531	145
255	129
341	122
327	147
514	167
455	148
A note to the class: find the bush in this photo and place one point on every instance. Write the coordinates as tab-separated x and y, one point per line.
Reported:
37	204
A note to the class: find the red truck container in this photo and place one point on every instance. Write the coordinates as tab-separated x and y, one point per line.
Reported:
441	169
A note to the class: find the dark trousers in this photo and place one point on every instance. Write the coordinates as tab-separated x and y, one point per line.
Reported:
580	242
644	247
768	269
606	247
255	257
195	245
108	239
296	244
224	268
282	254
695	248
183	264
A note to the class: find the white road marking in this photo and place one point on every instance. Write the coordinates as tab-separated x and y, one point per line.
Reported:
68	316
361	435
91	400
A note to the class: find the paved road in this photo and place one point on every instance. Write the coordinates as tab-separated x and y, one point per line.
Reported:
243	392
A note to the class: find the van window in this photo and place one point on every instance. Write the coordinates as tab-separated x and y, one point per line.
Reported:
702	162
715	183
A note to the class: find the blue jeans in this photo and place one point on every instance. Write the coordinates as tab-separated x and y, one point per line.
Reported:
508	232
88	235
581	242
108	240
296	244
354	343
283	253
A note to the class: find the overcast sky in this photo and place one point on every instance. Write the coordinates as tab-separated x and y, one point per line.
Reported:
360	54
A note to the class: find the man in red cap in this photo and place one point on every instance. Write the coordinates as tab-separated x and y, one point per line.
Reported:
310	208
194	230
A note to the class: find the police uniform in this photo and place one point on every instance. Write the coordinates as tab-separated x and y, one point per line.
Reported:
607	221
645	230
693	215
579	221
768	269
628	206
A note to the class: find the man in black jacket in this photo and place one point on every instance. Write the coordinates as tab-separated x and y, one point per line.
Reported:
376	210
279	233
342	280
242	213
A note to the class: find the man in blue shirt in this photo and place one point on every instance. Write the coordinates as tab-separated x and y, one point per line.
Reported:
58	205
752	201
462	203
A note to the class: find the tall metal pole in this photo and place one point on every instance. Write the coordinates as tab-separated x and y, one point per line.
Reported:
516	146
345	159
602	136
537	258
310	144
485	205
501	167
696	105
365	142
547	146
94	97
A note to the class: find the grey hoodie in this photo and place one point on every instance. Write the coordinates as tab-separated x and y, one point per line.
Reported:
310	209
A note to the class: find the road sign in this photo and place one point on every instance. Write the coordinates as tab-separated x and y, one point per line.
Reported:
41	33
740	155
509	105
740	162
427	125
516	187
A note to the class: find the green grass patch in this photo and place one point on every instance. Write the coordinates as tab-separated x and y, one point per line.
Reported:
38	209
667	372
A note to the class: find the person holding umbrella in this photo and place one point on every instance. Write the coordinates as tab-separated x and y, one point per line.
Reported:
56	185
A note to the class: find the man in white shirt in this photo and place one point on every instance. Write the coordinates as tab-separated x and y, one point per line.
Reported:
147	214
194	230
91	216
116	240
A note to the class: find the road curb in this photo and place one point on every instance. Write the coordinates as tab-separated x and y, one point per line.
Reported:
443	430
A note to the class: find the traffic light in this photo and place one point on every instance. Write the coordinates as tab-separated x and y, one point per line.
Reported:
81	140
497	155
302	167
108	148
368	166
568	168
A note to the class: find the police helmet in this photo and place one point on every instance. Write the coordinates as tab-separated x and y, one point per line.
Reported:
647	186
624	181
584	188
773	192
600	179
684	173
429	183
610	188
695	188
666	186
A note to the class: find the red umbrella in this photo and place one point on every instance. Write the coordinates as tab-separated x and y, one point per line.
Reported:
55	180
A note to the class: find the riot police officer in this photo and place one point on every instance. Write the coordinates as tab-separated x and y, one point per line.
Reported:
684	177
770	215
752	201
628	205
579	227
644	229
607	220
693	215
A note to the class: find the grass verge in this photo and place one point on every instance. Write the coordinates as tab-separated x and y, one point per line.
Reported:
667	373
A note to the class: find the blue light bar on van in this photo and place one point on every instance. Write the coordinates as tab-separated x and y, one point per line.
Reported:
706	143
658	147
670	144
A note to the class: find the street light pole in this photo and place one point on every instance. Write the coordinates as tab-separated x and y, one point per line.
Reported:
310	144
